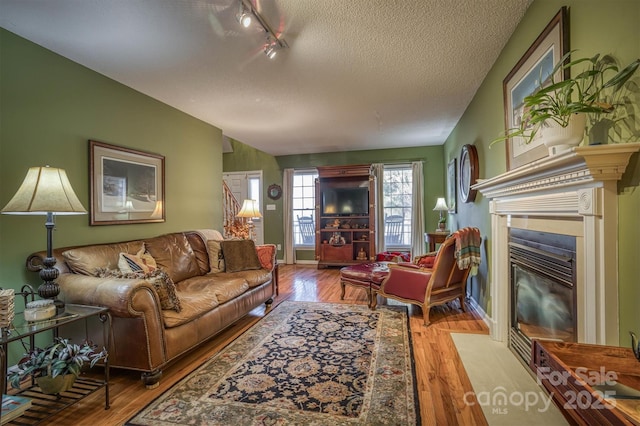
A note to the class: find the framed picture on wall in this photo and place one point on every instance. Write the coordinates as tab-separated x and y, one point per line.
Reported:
452	201
532	70
127	186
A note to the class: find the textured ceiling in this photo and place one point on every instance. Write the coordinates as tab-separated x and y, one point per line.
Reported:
357	74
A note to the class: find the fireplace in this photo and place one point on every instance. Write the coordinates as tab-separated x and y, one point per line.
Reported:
573	194
543	289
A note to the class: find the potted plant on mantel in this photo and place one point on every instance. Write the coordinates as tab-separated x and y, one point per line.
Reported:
56	367
558	110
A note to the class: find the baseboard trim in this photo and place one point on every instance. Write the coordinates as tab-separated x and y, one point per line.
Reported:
485	318
306	262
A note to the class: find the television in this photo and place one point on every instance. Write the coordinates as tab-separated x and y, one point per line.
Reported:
345	202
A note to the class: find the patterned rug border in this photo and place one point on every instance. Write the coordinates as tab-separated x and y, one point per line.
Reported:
293	305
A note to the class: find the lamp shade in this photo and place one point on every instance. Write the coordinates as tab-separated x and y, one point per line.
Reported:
441	205
249	209
45	190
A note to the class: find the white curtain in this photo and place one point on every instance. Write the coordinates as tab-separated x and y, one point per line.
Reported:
287	213
378	172
417	218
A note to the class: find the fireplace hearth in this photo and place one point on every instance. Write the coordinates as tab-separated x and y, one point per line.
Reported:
543	288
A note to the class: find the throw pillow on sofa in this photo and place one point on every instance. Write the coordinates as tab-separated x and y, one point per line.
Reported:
216	259
240	255
139	262
160	280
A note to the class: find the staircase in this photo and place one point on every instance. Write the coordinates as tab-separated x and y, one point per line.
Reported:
233	226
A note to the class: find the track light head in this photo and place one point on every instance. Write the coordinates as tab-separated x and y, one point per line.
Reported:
271	49
245	19
244	15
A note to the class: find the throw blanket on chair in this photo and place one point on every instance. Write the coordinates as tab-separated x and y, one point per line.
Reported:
467	252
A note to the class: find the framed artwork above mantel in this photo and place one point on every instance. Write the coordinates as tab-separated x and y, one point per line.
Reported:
127	185
534	67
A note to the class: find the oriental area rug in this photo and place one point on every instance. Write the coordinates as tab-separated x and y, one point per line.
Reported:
302	364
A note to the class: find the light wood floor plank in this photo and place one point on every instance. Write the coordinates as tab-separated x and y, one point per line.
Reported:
441	379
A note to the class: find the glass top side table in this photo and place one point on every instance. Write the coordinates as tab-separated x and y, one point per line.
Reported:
20	329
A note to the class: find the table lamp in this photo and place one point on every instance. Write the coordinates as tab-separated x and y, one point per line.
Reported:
46	191
441	206
249	210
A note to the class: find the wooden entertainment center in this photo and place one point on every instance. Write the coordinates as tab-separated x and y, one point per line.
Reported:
345	208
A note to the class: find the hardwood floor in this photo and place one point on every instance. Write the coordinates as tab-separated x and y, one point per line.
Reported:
441	379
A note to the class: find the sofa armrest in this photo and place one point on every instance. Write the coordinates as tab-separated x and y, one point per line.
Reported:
123	297
267	256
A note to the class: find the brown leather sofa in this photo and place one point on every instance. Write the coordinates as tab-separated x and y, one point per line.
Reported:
146	337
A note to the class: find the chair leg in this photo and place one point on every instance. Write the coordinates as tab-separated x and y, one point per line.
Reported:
342	288
463	306
374	300
425	315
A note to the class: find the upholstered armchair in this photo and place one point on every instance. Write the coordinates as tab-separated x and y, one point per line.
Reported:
446	281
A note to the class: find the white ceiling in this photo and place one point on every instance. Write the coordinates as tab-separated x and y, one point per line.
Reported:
363	74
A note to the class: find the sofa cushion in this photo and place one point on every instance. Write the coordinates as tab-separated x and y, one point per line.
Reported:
197	297
160	280
228	289
216	259
253	277
199	247
89	260
240	255
174	255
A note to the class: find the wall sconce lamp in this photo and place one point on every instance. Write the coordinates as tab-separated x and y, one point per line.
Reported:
248	211
274	43
46	191
441	206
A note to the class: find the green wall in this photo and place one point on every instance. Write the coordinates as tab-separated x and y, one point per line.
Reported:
245	158
595	26
49	108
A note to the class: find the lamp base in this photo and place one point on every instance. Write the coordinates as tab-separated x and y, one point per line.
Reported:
50	289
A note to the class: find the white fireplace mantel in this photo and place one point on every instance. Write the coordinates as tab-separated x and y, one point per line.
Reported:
574	193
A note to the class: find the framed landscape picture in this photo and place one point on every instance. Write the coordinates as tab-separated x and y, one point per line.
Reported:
532	71
127	186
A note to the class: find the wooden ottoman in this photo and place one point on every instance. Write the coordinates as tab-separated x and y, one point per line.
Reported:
367	276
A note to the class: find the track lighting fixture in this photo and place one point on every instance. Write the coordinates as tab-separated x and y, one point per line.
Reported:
245	15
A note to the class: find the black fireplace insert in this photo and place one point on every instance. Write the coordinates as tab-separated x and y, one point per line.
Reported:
543	288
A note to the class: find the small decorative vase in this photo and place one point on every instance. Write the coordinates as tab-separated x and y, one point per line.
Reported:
55	385
560	139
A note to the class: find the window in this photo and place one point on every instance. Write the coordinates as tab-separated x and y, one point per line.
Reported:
304	212
253	191
397	189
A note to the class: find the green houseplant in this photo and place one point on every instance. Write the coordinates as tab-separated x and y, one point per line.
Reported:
558	102
60	362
